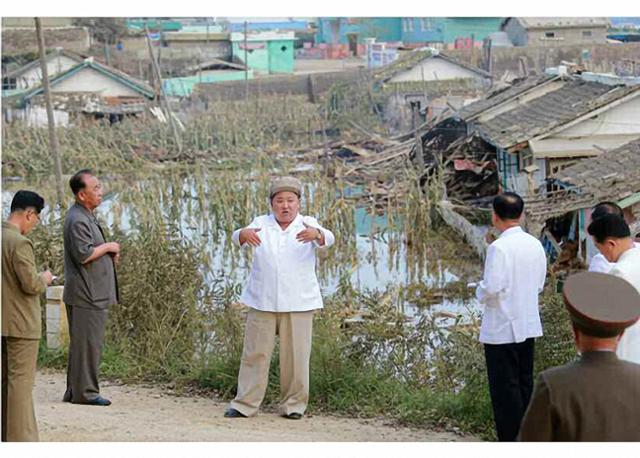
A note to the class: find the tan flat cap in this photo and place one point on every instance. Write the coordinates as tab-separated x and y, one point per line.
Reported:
281	184
601	305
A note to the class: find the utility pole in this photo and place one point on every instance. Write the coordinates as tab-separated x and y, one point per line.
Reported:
246	65
53	139
163	96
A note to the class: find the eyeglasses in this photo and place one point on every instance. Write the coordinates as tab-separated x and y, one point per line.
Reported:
35	214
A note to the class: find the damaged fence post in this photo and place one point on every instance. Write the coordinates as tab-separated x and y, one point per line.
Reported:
57	326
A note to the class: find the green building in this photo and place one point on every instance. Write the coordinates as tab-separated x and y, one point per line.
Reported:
266	52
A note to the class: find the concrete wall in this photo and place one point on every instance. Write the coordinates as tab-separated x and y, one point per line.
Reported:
90	80
566	36
23	41
311	85
603	58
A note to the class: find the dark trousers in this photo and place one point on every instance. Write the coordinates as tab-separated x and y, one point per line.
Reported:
86	338
510	371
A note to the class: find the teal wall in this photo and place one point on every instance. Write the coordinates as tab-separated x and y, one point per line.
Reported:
433	29
270	59
280	56
183	87
335	30
464	27
257	59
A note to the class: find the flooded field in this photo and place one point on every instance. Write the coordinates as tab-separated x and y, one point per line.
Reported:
376	250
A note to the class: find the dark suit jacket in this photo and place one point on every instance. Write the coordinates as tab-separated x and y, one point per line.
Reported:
22	286
92	285
596	398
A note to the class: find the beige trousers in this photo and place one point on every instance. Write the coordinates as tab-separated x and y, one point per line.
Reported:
18	377
294	329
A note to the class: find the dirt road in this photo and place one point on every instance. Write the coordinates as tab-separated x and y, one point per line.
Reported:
142	413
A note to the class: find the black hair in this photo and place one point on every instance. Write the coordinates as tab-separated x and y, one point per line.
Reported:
77	183
27	199
606	208
609	226
508	206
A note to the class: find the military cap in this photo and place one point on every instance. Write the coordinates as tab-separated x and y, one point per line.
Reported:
601	305
281	184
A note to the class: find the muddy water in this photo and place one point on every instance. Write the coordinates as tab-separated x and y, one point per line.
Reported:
370	252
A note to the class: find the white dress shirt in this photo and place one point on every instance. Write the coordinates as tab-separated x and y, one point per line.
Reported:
283	274
628	268
600	264
514	274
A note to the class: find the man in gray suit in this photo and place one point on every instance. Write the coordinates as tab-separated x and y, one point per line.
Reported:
597	397
90	288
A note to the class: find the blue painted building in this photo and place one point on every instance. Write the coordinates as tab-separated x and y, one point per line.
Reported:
345	31
408	30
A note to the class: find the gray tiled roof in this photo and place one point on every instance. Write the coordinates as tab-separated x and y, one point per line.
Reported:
597	174
562	22
498	97
612	176
573	99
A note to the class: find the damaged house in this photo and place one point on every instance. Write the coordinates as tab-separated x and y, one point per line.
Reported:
422	84
87	90
536	128
562	217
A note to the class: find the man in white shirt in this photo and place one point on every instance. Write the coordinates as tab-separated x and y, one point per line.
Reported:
612	238
514	275
282	295
599	263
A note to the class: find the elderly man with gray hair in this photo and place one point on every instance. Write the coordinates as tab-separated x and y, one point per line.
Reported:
282	295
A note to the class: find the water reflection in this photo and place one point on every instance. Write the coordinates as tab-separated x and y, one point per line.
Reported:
369	251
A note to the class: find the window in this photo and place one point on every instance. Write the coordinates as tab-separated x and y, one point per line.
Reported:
586	34
9	83
549	34
407	25
426	24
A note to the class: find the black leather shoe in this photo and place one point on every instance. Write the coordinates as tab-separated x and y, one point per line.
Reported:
99	401
233	413
293	416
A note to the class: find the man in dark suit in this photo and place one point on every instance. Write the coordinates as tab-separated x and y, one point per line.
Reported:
597	397
22	286
90	288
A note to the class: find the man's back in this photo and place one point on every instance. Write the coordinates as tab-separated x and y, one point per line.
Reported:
628	268
516	270
596	398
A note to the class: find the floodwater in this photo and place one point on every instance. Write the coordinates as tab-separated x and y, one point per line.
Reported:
379	259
